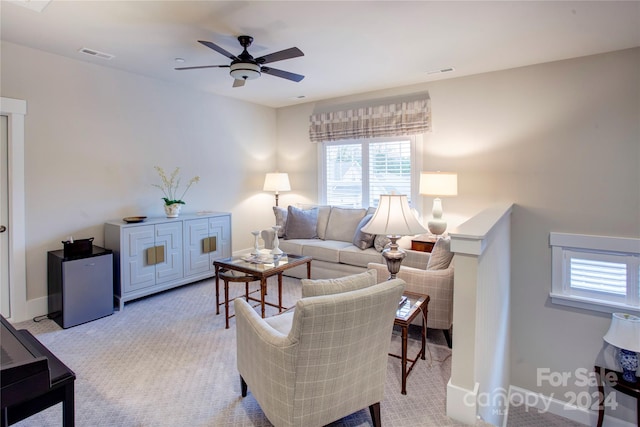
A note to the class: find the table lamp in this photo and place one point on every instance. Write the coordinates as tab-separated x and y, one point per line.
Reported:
275	181
624	333
438	184
394	219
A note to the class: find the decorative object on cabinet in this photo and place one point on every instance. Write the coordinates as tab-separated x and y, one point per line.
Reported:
162	253
275	181
172	210
134	219
394	219
438	184
169	188
624	333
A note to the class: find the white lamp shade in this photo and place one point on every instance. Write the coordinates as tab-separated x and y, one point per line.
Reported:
439	183
275	181
624	332
394	218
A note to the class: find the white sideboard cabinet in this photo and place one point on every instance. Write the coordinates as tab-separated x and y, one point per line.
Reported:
162	253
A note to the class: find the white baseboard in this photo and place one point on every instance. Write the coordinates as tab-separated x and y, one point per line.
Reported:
461	403
537	401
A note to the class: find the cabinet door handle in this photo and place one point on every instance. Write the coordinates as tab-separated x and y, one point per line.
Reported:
209	244
155	255
159	254
151	256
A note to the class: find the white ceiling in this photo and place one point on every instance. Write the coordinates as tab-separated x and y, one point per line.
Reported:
349	47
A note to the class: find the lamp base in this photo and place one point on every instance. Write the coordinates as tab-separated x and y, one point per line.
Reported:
393	255
437	226
629	362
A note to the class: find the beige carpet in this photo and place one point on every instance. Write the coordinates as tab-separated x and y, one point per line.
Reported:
167	360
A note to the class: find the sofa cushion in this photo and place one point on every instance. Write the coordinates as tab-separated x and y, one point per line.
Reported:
361	239
324	250
281	219
358	257
343	223
312	288
293	246
281	323
301	223
441	255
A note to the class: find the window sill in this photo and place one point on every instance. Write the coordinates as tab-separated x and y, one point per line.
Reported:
593	304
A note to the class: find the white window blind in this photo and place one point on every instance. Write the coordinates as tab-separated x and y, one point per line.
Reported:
356	173
599	273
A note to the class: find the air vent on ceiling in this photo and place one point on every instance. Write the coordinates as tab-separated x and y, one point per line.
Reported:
95	53
442	70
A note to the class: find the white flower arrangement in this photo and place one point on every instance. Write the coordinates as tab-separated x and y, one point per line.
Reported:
171	184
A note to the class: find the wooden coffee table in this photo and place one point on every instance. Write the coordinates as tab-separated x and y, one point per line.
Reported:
414	305
261	271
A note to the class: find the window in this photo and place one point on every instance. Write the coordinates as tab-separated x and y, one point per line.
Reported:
598	273
355	172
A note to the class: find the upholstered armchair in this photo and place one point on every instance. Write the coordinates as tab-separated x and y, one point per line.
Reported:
325	360
435	279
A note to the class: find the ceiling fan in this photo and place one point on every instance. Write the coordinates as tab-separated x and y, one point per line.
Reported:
245	67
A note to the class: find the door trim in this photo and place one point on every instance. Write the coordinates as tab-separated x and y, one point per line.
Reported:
15	110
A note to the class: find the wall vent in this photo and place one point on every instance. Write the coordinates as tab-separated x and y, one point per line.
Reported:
95	53
442	70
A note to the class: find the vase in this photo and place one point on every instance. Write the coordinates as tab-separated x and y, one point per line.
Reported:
173	210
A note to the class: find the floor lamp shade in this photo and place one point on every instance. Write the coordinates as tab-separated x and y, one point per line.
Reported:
438	184
276	181
393	218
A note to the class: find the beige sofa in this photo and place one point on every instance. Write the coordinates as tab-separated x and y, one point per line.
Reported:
337	250
328	236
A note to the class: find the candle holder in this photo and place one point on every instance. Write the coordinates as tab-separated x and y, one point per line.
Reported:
276	250
256	250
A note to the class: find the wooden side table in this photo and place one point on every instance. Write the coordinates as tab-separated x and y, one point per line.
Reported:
615	381
415	304
422	245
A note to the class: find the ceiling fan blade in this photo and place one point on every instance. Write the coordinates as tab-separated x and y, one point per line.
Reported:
238	82
218	49
292	52
284	74
201	66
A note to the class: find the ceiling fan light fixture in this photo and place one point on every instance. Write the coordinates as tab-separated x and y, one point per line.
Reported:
244	71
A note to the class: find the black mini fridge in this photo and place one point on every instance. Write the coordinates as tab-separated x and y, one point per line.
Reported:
80	287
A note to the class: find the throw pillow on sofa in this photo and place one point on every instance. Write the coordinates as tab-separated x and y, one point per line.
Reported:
281	219
343	223
441	255
361	239
301	223
313	288
380	242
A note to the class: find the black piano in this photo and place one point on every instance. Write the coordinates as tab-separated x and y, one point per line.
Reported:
32	378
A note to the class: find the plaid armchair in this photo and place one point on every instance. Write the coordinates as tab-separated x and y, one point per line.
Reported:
324	361
438	284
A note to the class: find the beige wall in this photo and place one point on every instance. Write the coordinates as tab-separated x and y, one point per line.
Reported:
561	141
93	135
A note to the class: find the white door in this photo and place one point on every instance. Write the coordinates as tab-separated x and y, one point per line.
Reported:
5	306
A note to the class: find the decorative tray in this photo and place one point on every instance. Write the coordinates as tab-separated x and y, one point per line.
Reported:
134	219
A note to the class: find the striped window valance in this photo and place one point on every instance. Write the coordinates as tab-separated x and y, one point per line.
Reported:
391	119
